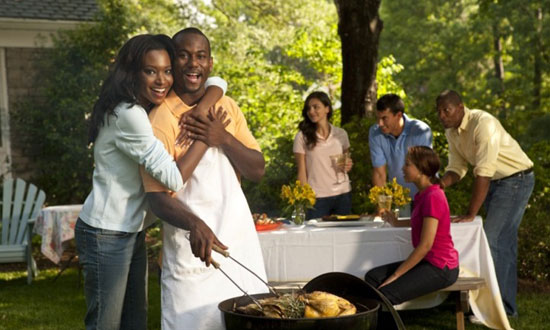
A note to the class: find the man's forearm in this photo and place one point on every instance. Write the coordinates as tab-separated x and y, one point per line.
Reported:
249	163
171	210
480	190
449	178
379	176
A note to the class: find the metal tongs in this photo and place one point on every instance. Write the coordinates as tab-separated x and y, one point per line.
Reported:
226	254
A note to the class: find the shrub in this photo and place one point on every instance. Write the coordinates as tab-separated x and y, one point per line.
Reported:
534	232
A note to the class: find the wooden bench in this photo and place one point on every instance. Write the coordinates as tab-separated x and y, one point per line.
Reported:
461	289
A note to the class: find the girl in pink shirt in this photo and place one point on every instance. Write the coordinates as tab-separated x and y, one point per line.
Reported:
433	264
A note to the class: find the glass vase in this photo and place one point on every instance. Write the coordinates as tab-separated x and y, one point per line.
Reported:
299	214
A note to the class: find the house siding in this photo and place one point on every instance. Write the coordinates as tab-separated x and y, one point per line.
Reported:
22	68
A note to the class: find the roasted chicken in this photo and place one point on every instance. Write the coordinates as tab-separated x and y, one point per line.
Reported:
308	305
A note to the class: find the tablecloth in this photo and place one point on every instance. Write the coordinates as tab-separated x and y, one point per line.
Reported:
56	225
302	254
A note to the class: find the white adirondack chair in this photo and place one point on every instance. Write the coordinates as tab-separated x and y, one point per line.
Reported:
19	212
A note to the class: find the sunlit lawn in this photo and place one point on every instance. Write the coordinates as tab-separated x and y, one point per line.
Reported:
46	304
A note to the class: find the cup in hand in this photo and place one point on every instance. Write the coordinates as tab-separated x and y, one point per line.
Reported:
338	163
384	203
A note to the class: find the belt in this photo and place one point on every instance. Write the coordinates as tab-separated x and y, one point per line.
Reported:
520	173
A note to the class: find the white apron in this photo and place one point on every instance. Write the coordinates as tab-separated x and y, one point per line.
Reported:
191	292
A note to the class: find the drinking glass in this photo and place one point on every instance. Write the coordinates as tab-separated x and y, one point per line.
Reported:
384	202
338	163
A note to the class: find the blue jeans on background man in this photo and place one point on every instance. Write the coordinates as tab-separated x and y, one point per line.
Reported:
339	204
115	277
505	204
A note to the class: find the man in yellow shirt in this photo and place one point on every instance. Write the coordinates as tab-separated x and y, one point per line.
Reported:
504	181
191	290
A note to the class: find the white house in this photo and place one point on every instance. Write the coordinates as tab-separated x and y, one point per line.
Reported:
26	27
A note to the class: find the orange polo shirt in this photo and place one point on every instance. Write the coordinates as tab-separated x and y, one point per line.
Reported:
165	117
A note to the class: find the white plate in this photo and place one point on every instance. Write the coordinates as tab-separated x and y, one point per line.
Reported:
359	223
292	226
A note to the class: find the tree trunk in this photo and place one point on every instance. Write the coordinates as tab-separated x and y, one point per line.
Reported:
497	59
537	76
359	28
499	68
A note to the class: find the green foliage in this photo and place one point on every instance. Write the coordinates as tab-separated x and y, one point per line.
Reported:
361	173
534	232
273	54
451	45
386	72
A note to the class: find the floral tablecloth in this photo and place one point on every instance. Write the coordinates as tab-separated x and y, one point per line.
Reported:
56	225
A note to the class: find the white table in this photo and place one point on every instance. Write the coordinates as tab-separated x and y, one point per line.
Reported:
300	255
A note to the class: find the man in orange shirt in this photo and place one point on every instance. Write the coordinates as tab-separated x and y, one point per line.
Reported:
212	192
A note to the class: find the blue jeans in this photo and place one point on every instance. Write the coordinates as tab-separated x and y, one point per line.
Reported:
339	204
115	277
420	280
505	204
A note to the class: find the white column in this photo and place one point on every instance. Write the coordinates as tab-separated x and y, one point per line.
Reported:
5	145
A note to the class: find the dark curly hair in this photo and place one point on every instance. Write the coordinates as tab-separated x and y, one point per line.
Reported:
308	127
122	83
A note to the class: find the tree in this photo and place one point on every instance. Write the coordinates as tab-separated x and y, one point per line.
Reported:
359	27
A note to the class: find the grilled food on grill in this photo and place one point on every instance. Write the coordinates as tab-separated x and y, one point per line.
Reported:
308	305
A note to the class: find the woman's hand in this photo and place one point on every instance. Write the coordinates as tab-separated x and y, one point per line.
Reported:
209	129
389	280
183	139
348	164
389	217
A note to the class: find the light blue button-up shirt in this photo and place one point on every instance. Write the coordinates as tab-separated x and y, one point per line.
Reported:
117	200
385	149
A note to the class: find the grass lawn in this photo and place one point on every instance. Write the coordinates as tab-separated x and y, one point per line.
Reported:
58	305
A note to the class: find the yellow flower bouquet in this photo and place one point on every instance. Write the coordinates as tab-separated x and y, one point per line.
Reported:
391	194
299	198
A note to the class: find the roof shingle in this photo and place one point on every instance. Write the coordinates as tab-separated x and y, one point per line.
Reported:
49	9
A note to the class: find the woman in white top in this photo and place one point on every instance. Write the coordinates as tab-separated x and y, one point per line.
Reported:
110	230
316	141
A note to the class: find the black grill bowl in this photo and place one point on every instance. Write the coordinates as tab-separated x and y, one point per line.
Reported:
365	318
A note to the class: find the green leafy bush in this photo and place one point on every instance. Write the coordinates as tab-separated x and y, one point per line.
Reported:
361	173
534	232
